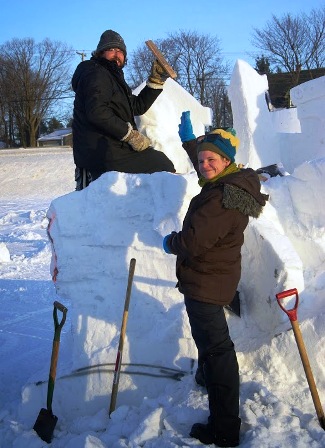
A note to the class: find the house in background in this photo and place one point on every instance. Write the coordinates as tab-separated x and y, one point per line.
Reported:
60	137
280	85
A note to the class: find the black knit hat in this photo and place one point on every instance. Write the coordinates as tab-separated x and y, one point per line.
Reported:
111	39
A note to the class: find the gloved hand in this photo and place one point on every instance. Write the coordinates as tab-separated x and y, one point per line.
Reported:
138	141
185	129
158	75
165	244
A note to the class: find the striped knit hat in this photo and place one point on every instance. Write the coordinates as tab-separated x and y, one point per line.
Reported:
221	141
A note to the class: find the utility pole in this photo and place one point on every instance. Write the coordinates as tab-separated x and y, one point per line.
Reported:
82	54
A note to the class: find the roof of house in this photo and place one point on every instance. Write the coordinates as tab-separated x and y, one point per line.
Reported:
56	135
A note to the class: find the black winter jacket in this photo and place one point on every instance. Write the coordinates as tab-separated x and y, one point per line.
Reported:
103	106
208	247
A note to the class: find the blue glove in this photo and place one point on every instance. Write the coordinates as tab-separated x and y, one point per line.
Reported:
185	129
165	244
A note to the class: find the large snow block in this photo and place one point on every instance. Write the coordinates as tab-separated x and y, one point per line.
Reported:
95	233
165	115
309	98
251	116
297	202
270	265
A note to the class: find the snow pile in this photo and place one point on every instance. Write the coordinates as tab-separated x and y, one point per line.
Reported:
95	233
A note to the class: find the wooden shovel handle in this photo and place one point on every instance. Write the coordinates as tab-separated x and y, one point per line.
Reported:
308	372
118	362
161	59
55	349
292	313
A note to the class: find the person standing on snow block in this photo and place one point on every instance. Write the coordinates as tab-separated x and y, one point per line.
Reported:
208	268
105	135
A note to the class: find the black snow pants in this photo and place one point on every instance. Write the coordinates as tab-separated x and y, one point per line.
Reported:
216	351
148	161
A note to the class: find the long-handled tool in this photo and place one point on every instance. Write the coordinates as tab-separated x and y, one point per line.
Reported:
161	59
122	336
292	314
46	420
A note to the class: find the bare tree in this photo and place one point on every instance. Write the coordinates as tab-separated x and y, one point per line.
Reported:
33	77
218	101
138	65
7	122
293	43
197	61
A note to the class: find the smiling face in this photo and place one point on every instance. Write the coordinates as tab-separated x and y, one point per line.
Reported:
115	54
211	164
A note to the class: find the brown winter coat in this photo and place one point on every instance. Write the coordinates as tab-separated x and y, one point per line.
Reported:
208	247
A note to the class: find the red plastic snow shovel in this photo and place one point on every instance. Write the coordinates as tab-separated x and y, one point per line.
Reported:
292	314
118	361
46	420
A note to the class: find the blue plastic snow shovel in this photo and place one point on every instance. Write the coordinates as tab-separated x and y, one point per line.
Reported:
292	314
46	420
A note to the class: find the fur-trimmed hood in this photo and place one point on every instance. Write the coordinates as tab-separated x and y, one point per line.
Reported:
237	199
241	191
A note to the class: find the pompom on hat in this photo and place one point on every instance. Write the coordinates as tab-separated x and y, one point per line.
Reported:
221	141
111	39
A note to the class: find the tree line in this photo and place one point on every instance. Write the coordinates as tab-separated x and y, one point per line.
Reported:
36	77
33	79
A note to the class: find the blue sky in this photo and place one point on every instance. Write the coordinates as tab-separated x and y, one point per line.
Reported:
80	23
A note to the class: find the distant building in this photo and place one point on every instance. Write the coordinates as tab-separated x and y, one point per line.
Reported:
60	137
280	85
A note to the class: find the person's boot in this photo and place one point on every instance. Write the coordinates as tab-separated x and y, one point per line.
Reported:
205	434
222	380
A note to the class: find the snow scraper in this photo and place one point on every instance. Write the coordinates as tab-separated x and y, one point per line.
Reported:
46	421
161	59
292	314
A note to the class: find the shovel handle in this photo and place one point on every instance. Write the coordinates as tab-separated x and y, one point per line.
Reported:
118	362
55	349
58	325
292	312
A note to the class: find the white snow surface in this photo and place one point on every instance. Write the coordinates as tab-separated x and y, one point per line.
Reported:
88	238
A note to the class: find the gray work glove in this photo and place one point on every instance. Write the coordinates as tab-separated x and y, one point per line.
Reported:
138	141
158	75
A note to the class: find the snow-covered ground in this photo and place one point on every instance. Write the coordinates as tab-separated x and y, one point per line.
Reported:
95	233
